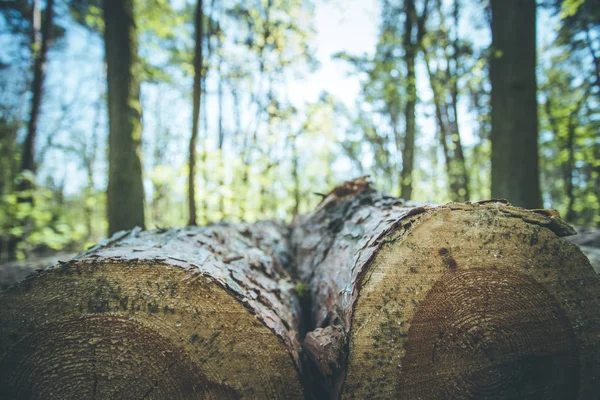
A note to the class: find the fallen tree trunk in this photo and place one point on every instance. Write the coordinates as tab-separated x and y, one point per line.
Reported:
178	314
460	301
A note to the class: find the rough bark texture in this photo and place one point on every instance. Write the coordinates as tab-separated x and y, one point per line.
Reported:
180	314
479	300
514	136
125	193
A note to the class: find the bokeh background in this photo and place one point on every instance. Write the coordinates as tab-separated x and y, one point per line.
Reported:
295	96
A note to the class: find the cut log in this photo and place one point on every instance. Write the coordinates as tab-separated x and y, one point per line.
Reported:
459	301
178	314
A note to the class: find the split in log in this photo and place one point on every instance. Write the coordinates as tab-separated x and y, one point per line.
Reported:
460	301
179	314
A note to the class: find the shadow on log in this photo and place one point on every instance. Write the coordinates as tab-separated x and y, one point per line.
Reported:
179	314
460	301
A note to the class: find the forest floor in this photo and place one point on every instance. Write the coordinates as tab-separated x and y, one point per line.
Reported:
587	238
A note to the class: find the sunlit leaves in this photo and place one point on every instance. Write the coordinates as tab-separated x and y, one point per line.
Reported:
88	13
569	8
570	145
94	19
42	223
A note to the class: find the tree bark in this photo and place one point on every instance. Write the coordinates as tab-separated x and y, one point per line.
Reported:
514	136
465	300
178	314
125	187
444	84
197	100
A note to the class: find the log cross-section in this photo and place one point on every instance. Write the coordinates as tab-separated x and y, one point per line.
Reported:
178	314
462	301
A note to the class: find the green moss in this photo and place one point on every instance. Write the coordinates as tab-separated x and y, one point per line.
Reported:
302	290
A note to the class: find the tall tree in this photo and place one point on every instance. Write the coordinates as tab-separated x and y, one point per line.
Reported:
449	55
514	136
38	24
125	186
221	130
196	101
414	30
40	40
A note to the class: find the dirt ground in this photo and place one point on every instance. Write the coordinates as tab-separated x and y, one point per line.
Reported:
587	238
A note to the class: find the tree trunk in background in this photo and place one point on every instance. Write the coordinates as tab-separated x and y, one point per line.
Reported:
514	137
569	167
8	145
595	58
125	187
221	138
206	174
197	101
596	170
408	151
444	85
441	115
295	174
189	313
457	301
414	30
40	41
42	23
570	163
8	172
461	192
242	180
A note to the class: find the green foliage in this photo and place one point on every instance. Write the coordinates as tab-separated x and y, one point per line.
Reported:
88	13
39	221
276	152
569	8
379	110
569	114
302	290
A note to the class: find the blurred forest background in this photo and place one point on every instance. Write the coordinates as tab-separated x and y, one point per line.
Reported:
243	110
